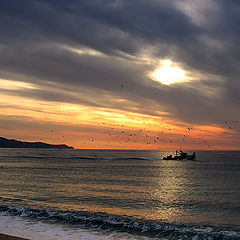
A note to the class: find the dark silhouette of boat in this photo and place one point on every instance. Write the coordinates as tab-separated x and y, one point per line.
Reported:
181	156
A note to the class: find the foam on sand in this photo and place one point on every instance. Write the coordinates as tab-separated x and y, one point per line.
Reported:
38	230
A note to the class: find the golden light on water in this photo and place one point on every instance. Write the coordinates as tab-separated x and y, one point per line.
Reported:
168	73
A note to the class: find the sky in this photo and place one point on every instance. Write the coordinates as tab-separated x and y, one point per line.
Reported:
121	74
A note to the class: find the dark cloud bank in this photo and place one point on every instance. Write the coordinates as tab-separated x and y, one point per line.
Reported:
36	37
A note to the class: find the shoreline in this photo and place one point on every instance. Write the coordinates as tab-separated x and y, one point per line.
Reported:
9	237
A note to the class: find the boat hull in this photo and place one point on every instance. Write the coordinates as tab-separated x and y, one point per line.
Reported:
179	158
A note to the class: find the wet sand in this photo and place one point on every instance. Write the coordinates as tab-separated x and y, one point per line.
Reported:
7	237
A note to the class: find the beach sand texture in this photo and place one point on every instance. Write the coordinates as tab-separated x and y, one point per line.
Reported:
7	237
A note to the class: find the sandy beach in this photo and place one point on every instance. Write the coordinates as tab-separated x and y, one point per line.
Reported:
7	237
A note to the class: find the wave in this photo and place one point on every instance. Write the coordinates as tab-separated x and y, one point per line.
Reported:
118	223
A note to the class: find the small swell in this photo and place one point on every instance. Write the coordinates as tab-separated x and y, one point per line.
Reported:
85	157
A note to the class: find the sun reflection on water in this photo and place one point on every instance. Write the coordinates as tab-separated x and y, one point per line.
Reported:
170	191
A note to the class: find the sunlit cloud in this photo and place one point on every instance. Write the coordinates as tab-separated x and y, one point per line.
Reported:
202	13
83	51
14	85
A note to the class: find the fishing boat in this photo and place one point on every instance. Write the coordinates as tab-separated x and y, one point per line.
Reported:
181	156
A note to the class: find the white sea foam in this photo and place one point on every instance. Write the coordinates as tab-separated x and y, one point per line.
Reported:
39	224
38	230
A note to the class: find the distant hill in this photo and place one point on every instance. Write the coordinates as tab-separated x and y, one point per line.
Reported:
12	143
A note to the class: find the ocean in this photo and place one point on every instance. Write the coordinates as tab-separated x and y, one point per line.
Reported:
117	194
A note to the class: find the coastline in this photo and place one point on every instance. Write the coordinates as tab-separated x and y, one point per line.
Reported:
9	237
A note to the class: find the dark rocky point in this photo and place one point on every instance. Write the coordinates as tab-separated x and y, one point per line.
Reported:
12	143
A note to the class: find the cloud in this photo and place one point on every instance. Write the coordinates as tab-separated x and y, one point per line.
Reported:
85	51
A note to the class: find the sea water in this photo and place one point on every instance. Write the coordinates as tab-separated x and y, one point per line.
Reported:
111	194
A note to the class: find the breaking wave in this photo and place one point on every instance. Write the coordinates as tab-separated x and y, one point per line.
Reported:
130	225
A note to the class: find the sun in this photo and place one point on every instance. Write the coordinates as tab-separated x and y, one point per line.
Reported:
168	74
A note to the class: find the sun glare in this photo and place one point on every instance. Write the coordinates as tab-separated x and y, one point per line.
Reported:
168	74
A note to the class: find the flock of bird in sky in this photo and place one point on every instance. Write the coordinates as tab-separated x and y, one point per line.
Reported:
119	133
